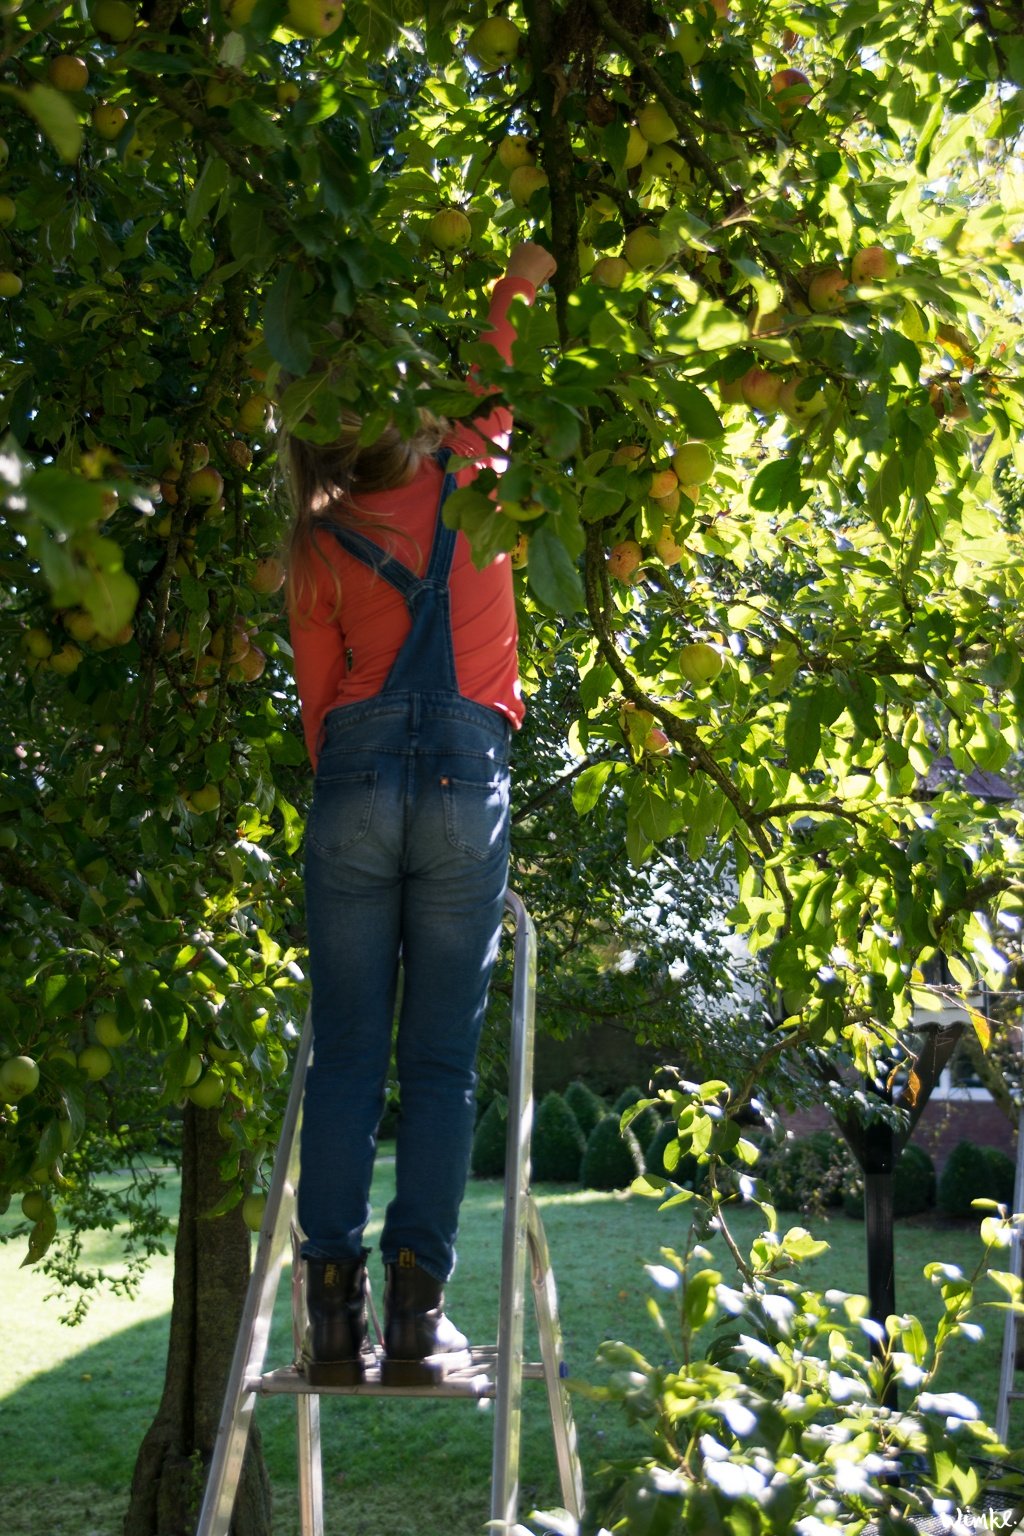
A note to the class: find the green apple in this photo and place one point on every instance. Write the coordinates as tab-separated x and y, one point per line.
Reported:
109	121
109	1032
643	248
800	400
66	660
610	271
687	42
666	164
624	560
19	1075
655	124
450	230
34	1205
95	1061
524	181
252	417
874	265
253	1207
10	285
314	18
699	663
286	93
514	151
693	463
175	456
204	799
8	210
62	1053
113	20
208	1091
67	72
494	43
37	643
238	13
636	147
826	291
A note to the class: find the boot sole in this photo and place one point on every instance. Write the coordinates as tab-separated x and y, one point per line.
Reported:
423	1373
333	1373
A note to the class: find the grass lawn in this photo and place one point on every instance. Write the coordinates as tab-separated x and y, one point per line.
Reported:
74	1403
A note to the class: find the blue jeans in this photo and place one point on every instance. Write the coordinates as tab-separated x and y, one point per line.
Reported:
406	857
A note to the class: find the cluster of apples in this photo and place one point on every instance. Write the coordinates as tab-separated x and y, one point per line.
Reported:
46	652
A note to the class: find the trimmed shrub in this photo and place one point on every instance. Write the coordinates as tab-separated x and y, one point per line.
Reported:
487	1159
1003	1174
809	1173
967	1176
627	1097
913	1182
585	1105
558	1143
612	1158
685	1171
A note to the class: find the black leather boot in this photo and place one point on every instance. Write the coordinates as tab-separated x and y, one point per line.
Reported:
421	1345
336	1308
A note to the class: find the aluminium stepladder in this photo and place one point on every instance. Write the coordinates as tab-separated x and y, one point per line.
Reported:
1008	1394
497	1371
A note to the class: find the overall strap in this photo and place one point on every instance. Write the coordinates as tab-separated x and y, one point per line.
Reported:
368	552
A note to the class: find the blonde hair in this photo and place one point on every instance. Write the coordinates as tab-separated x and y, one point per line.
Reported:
325	480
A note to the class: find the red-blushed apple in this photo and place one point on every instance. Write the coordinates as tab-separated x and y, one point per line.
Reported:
68	72
826	291
249	667
624	560
792	90
664	482
610	271
514	151
644	249
693	463
524	181
655	124
268	575
494	43
19	1075
668	548
205	487
699	663
760	389
872	265
450	230
657	743
629	453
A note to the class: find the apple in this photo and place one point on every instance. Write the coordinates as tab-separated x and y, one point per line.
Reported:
5	153
286	93
667	547
193	1070
514	151
239	643
760	389
239	453
62	1053
643	248
520	552
220	92
238	13
624	560
37	643
314	18
636	148
109	1032
792	90
664	484
95	1061
80	625
450	230
629	453
66	660
109	121
494	43
826	291
801	403
693	463
19	1075
873	264
208	1092
523	511
8	210
657	743
252	417
10	285
610	271
655	124
268	575
253	1207
67	72
699	663
666	164
524	181
205	798
205	487
34	1205
113	19
249	667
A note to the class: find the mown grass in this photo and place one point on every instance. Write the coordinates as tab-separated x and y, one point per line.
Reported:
74	1403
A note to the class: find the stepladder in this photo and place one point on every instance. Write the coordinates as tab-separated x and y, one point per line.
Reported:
1011	1369
495	1373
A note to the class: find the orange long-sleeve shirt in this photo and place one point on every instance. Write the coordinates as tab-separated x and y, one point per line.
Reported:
344	652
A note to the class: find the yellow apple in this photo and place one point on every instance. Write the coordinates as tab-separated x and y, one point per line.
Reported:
699	663
636	147
687	42
514	151
643	248
524	181
109	121
287	93
268	576
624	560
450	230
610	271
314	18
655	124
801	401
252	416
66	660
10	285
693	463
494	43
666	164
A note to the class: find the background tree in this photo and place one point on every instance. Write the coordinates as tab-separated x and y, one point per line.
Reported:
752	497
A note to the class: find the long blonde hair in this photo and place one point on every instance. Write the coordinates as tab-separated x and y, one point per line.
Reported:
325	480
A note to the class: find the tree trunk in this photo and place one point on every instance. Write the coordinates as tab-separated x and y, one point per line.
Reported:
211	1272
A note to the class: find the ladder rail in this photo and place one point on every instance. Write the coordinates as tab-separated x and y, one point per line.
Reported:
1008	1362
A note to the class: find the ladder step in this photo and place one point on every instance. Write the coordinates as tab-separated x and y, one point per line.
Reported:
476	1380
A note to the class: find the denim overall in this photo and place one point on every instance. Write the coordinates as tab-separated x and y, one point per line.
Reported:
406	856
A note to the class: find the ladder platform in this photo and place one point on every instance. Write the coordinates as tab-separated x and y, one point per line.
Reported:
475	1380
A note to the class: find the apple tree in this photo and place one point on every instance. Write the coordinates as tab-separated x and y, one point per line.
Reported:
752	502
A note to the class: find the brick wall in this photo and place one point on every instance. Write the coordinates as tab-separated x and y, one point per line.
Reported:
943	1123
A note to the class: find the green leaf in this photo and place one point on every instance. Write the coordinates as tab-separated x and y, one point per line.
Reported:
55	115
285	319
210	183
63	501
552	575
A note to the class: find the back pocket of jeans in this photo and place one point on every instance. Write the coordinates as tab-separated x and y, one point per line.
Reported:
476	815
342	811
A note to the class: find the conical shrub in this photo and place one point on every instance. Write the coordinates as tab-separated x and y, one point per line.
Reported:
558	1142
612	1158
487	1159
585	1105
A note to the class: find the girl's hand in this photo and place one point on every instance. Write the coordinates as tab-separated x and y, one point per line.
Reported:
532	262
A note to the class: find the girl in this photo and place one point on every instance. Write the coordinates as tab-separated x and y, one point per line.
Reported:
405	660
